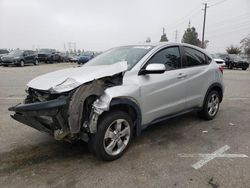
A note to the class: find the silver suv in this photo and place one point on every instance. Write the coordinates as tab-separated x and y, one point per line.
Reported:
120	92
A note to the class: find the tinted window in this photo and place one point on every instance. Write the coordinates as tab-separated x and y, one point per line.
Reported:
4	51
194	57
170	57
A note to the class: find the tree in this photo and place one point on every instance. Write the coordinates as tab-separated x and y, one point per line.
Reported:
148	40
163	36
191	36
245	45
233	49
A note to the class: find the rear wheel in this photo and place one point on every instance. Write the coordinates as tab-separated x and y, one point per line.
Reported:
114	133
21	63
210	106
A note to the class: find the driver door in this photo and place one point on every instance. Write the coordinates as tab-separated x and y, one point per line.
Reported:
163	94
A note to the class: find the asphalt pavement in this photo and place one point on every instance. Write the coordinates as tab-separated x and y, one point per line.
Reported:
182	152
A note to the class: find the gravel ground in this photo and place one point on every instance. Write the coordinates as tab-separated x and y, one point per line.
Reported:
29	158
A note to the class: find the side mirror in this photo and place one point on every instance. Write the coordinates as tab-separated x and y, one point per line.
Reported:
153	69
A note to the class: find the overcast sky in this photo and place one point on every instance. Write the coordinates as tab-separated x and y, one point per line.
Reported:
102	24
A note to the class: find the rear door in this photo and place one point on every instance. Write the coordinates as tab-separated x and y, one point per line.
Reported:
198	75
163	94
30	56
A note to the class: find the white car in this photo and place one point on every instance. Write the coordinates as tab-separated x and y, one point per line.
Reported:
117	94
218	60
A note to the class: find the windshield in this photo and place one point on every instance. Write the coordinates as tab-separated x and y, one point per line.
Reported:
235	57
130	54
16	52
215	56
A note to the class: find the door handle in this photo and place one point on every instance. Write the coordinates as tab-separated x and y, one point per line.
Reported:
181	76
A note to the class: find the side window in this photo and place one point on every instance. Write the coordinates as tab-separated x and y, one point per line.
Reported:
170	57
25	53
194	57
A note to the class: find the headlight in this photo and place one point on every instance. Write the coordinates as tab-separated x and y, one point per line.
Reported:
66	85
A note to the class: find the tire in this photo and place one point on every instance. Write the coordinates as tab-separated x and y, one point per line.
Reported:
230	66
211	106
36	62
21	64
114	134
244	68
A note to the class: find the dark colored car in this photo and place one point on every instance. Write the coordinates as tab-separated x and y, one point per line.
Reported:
59	57
84	59
47	55
234	61
2	53
20	58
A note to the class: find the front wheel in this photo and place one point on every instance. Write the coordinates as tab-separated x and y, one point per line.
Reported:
230	66
114	133
244	68
36	62
211	106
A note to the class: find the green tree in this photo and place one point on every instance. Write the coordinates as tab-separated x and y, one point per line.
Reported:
191	37
245	45
233	49
148	40
163	36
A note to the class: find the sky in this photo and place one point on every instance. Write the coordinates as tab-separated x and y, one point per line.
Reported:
99	25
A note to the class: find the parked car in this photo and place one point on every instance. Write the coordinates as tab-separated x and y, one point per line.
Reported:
235	61
20	58
119	93
2	53
84	59
73	58
46	55
218	60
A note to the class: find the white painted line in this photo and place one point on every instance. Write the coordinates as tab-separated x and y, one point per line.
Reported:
207	154
208	157
204	161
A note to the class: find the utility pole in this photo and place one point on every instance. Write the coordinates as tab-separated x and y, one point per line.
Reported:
204	24
176	34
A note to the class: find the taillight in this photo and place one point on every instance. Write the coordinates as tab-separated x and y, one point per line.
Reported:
221	69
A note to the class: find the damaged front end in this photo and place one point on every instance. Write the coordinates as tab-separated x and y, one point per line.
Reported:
67	116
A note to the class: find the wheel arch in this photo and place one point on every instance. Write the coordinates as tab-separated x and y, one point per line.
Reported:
132	108
217	87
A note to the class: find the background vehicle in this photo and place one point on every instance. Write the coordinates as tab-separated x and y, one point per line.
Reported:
121	92
73	58
218	60
235	61
3	52
47	55
84	59
20	58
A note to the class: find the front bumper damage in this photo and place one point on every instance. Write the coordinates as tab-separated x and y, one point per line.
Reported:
71	116
38	115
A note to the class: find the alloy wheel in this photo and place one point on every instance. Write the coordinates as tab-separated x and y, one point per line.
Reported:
116	137
213	105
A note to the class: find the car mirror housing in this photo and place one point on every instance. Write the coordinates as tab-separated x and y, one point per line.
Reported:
155	68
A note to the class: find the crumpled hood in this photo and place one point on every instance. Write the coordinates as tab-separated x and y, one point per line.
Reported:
81	75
